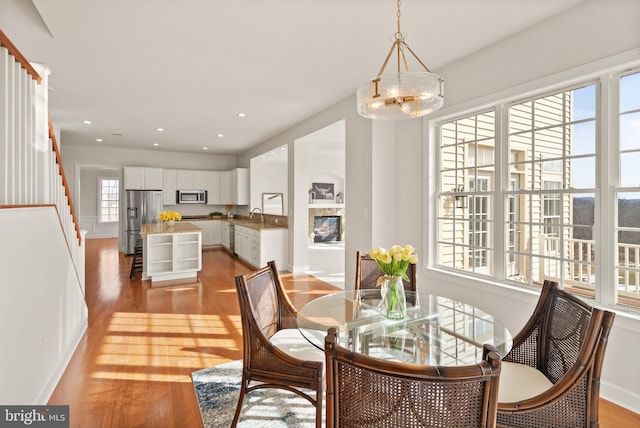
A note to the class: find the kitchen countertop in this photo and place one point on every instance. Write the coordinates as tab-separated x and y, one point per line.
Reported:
254	225
242	221
178	227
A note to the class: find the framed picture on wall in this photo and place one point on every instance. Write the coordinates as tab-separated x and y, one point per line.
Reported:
323	191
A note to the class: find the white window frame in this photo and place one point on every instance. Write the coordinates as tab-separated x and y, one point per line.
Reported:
99	200
606	73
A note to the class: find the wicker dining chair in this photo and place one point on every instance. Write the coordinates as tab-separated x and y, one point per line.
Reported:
276	355
363	391
551	376
368	272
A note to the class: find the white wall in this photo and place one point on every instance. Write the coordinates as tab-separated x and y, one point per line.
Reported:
269	175
42	306
593	30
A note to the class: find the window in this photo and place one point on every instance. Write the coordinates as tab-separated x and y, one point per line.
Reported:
547	154
109	198
464	218
628	192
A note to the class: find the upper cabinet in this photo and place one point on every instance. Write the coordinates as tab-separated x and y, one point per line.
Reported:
223	187
169	196
234	187
209	181
136	178
183	179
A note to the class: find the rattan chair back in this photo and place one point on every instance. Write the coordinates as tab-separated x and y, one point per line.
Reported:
565	339
265	309
363	391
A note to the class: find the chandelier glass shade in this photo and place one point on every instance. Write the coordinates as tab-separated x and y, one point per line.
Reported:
401	94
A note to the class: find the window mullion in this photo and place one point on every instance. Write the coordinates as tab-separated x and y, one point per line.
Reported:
606	196
500	185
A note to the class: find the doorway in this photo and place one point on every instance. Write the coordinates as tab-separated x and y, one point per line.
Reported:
320	184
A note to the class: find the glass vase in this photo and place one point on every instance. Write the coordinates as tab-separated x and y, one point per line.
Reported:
394	301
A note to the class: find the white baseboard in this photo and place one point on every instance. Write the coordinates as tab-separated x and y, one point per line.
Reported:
44	397
620	396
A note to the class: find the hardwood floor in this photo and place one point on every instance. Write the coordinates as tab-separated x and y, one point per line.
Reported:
133	365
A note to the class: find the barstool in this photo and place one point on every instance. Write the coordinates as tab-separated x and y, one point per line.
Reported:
136	261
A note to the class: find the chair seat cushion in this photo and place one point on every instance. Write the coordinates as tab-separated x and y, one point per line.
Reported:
291	341
520	381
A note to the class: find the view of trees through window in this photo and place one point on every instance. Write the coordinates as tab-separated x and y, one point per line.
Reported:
519	204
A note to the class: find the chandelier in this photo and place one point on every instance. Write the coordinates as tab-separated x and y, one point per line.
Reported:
402	94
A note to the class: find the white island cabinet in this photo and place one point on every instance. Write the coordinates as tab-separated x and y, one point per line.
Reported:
171	252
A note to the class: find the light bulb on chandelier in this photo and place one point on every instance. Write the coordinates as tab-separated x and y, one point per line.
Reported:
402	94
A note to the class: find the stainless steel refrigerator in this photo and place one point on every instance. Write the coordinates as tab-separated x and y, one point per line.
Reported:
142	206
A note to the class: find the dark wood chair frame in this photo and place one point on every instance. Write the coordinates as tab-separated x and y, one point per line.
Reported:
265	309
565	339
368	272
363	391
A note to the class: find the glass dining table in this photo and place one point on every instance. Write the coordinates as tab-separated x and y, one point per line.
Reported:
435	331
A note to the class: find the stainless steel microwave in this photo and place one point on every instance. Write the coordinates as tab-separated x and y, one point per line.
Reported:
191	196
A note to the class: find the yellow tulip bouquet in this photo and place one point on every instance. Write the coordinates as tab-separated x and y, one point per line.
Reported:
169	215
394	264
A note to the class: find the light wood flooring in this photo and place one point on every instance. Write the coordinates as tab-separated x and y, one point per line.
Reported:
133	365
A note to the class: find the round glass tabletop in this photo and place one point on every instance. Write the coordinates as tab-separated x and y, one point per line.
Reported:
435	331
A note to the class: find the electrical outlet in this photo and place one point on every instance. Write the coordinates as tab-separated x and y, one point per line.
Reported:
276	221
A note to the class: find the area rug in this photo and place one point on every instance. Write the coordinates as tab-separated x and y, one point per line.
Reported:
217	389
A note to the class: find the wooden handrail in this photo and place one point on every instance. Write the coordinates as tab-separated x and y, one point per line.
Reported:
4	41
54	146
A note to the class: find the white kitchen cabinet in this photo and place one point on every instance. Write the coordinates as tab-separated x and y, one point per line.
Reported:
214	229
184	180
169	187
205	225
240	186
207	180
141	178
210	231
200	180
224	187
224	234
234	187
257	247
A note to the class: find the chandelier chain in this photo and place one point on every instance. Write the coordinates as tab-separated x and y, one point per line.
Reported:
398	13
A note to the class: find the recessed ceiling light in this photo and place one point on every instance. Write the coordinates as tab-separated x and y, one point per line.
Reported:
156	144
242	114
220	135
86	122
160	129
99	140
205	148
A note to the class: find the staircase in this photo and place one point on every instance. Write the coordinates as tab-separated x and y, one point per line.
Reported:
42	306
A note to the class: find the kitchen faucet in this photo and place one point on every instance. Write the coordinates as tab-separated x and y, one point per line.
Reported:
260	211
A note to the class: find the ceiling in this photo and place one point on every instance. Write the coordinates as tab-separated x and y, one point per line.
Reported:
190	66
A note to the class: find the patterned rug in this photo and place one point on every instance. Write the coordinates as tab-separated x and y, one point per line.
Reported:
217	392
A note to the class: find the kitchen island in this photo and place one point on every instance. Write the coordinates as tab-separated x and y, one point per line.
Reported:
171	252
